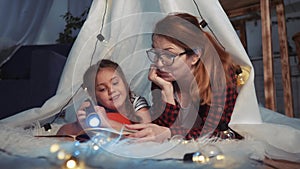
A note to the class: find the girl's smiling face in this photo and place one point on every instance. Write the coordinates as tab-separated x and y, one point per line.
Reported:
110	89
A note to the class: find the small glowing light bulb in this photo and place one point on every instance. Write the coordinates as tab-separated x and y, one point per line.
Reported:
96	147
108	139
102	141
211	150
207	154
228	134
177	139
196	157
76	153
199	158
54	148
220	157
76	143
71	163
61	155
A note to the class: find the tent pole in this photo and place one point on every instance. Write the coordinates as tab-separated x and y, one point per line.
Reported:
269	86
285	63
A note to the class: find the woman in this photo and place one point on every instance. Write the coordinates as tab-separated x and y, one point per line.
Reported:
117	104
193	77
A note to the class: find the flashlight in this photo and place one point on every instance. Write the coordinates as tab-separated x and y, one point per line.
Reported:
92	118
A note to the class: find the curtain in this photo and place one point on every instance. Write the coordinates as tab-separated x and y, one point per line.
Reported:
21	21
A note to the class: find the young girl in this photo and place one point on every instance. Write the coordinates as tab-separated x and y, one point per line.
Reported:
117	105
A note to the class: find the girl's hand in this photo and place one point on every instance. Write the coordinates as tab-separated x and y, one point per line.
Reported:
150	132
105	122
81	115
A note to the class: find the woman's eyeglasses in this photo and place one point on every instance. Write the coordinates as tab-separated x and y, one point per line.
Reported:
166	57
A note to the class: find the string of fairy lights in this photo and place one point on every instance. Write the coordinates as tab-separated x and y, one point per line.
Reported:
76	156
208	153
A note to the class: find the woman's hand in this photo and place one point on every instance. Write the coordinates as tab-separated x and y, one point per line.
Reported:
166	87
150	132
154	77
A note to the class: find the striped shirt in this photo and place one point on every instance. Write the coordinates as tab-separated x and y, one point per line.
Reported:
138	102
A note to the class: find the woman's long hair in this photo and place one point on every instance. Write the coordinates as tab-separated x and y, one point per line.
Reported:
184	30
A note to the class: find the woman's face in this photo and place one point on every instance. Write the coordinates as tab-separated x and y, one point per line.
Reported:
181	66
110	89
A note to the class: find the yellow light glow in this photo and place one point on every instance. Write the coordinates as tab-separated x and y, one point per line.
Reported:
220	157
71	163
96	147
61	155
101	141
54	148
200	159
185	142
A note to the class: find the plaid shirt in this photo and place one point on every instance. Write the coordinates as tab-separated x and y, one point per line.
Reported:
211	119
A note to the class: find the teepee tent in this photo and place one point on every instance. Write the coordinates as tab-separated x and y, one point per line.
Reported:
121	30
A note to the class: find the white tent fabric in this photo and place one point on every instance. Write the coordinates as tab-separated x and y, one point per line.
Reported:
15	27
127	26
